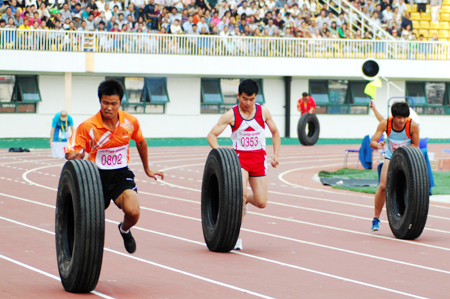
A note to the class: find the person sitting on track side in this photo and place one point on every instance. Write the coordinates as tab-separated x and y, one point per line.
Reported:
247	121
306	104
401	131
106	137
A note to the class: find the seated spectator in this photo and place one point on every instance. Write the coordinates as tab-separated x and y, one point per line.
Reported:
330	18
221	25
401	7
340	20
174	16
138	5
162	30
187	26
164	20
107	11
367	35
13	5
66	24
11	24
192	8
276	32
2	24
129	11
270	28
317	34
17	19
175	28
406	33
392	28
395	35
208	17
225	31
116	11
223	8
387	14
342	31
210	4
434	38
243	9
83	26
280	3
110	24
86	13
116	3
90	23
36	18
324	29
65	13
288	19
101	27
8	14
252	25
130	20
215	19
43	11
375	22
202	24
201	4
252	10
406	21
312	27
333	29
279	22
25	25
242	25
178	4
321	19
76	21
101	17
184	16
198	17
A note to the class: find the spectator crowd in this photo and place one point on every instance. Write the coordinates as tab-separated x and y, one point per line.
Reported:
268	18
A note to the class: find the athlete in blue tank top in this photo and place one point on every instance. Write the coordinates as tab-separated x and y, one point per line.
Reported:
401	131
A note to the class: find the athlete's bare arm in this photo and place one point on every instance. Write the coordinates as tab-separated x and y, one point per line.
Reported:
51	135
276	140
380	130
375	111
143	153
414	134
224	121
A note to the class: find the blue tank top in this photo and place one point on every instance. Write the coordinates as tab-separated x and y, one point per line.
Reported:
396	139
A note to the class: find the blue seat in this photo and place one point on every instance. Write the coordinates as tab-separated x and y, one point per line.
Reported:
357	151
423	143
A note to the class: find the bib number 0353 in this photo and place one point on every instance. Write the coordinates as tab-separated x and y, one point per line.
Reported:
249	141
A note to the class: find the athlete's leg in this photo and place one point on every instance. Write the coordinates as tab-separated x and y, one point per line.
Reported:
129	203
380	196
244	185
260	190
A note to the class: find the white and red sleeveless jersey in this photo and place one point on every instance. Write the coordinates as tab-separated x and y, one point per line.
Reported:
248	134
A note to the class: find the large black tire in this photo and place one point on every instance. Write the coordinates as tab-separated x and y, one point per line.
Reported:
310	137
222	200
407	193
80	226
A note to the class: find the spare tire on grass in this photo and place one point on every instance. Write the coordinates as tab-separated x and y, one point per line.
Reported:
308	122
80	226
222	200
407	193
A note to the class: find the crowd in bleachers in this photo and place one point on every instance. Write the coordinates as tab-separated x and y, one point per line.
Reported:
271	18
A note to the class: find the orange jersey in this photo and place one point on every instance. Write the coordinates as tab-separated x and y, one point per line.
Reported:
106	148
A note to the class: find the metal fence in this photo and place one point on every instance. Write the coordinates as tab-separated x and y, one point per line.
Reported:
142	43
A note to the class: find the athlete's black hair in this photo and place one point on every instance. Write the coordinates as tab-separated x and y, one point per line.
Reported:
400	109
248	86
110	87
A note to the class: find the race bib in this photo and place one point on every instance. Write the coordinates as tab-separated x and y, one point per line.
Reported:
249	141
112	158
393	145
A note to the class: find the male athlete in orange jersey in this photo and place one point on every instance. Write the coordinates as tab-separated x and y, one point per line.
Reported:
106	137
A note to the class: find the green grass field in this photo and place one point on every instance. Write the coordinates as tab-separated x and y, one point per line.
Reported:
441	180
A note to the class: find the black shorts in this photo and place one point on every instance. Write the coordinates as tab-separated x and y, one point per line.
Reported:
116	181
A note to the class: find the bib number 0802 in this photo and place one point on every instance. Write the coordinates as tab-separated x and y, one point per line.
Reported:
249	141
112	160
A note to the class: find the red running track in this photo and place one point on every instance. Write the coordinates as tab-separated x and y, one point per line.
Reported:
310	242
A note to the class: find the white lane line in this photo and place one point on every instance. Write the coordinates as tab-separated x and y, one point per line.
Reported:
47	274
24	176
156	264
252	231
248	255
31	161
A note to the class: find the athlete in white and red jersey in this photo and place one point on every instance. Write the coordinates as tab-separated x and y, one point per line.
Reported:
105	137
248	121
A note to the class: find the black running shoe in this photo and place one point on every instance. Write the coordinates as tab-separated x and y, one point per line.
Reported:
128	240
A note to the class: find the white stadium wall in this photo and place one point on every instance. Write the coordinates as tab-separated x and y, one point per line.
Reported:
182	117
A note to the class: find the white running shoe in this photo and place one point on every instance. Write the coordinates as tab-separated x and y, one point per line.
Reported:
238	245
246	208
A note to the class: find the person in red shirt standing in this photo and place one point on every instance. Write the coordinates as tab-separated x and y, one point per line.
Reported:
306	104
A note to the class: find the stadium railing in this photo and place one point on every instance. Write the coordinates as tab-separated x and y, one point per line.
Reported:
142	43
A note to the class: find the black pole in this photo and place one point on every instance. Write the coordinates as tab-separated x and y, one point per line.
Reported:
287	103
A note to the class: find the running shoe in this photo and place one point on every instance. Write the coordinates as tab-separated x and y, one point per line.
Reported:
375	224
128	240
238	245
